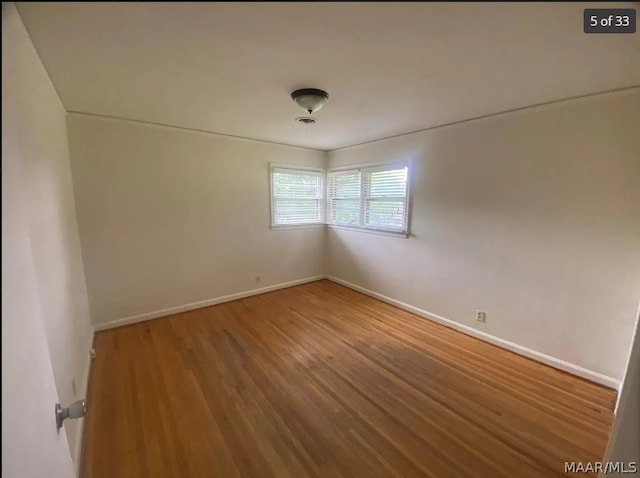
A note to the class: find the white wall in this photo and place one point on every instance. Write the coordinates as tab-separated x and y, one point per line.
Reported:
532	216
169	217
45	320
624	444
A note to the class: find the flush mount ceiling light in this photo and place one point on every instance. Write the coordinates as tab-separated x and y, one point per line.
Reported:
310	99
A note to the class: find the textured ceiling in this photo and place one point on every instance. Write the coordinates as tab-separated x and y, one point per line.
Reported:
390	68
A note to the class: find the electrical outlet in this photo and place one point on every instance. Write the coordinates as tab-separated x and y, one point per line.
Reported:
92	353
257	279
73	387
481	316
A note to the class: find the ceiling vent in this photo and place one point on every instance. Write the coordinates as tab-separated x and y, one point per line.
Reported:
307	120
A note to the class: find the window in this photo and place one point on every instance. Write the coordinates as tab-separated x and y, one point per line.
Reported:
344	194
374	197
296	196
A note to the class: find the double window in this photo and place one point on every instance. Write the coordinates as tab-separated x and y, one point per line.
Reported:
374	198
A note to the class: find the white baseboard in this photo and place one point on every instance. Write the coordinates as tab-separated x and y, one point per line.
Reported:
80	439
203	303
505	344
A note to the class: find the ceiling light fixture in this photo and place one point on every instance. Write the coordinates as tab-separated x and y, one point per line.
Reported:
310	99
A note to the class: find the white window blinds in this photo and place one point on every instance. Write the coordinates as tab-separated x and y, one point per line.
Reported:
344	194
370	198
296	196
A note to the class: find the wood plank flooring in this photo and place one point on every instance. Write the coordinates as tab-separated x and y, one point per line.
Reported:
322	381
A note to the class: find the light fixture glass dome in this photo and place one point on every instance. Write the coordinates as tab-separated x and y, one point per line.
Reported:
310	99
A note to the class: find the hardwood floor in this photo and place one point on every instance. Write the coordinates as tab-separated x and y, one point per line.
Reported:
319	380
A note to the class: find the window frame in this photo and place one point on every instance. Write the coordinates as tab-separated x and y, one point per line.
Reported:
328	205
321	201
368	167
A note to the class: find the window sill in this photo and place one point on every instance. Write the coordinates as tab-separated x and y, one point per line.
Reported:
296	226
382	232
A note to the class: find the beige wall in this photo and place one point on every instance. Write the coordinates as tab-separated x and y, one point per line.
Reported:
35	137
169	217
532	216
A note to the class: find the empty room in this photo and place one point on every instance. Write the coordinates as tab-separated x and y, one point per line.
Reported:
320	239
